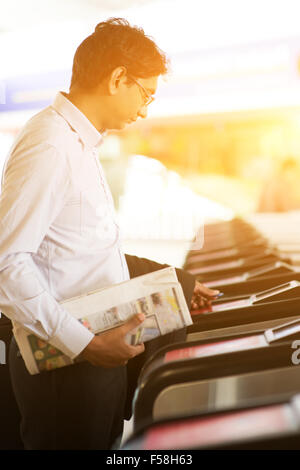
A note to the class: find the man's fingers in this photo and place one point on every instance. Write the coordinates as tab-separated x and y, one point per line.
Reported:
208	292
140	348
133	322
133	351
198	302
205	291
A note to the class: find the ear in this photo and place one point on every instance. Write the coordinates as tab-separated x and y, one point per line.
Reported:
117	79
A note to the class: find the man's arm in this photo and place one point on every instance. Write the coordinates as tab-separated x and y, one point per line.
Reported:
25	301
33	194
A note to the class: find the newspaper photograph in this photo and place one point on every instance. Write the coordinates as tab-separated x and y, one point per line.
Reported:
158	295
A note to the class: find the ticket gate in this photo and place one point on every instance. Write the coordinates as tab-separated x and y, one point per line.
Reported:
217	265
269	424
241	237
211	273
227	226
235	231
259	279
9	412
284	291
242	290
266	270
262	310
229	229
186	379
246	242
222	256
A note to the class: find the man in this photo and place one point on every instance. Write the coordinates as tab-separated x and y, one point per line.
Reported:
59	239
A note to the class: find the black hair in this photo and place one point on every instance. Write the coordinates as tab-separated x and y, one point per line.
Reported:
116	43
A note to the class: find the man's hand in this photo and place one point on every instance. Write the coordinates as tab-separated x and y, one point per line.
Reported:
110	349
202	296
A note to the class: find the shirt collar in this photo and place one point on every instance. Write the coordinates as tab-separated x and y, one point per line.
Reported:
77	120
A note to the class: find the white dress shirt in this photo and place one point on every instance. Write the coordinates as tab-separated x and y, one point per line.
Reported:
58	234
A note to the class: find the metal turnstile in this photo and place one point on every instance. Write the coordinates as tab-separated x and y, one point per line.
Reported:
221	273
219	245
229	256
269	424
266	270
269	276
236	316
184	379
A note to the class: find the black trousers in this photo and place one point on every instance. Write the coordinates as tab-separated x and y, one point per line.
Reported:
83	406
75	407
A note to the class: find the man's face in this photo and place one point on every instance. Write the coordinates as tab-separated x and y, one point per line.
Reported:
130	102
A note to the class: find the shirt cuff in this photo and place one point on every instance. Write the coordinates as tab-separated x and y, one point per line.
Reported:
72	338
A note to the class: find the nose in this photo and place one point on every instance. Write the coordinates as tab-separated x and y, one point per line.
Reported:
143	112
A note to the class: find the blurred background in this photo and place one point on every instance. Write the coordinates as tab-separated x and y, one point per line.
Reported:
222	138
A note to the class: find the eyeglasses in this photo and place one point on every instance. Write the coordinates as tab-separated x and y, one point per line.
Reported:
147	98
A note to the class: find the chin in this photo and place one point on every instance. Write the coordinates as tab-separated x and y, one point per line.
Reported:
119	126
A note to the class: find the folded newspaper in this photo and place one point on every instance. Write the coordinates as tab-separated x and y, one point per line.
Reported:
158	295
